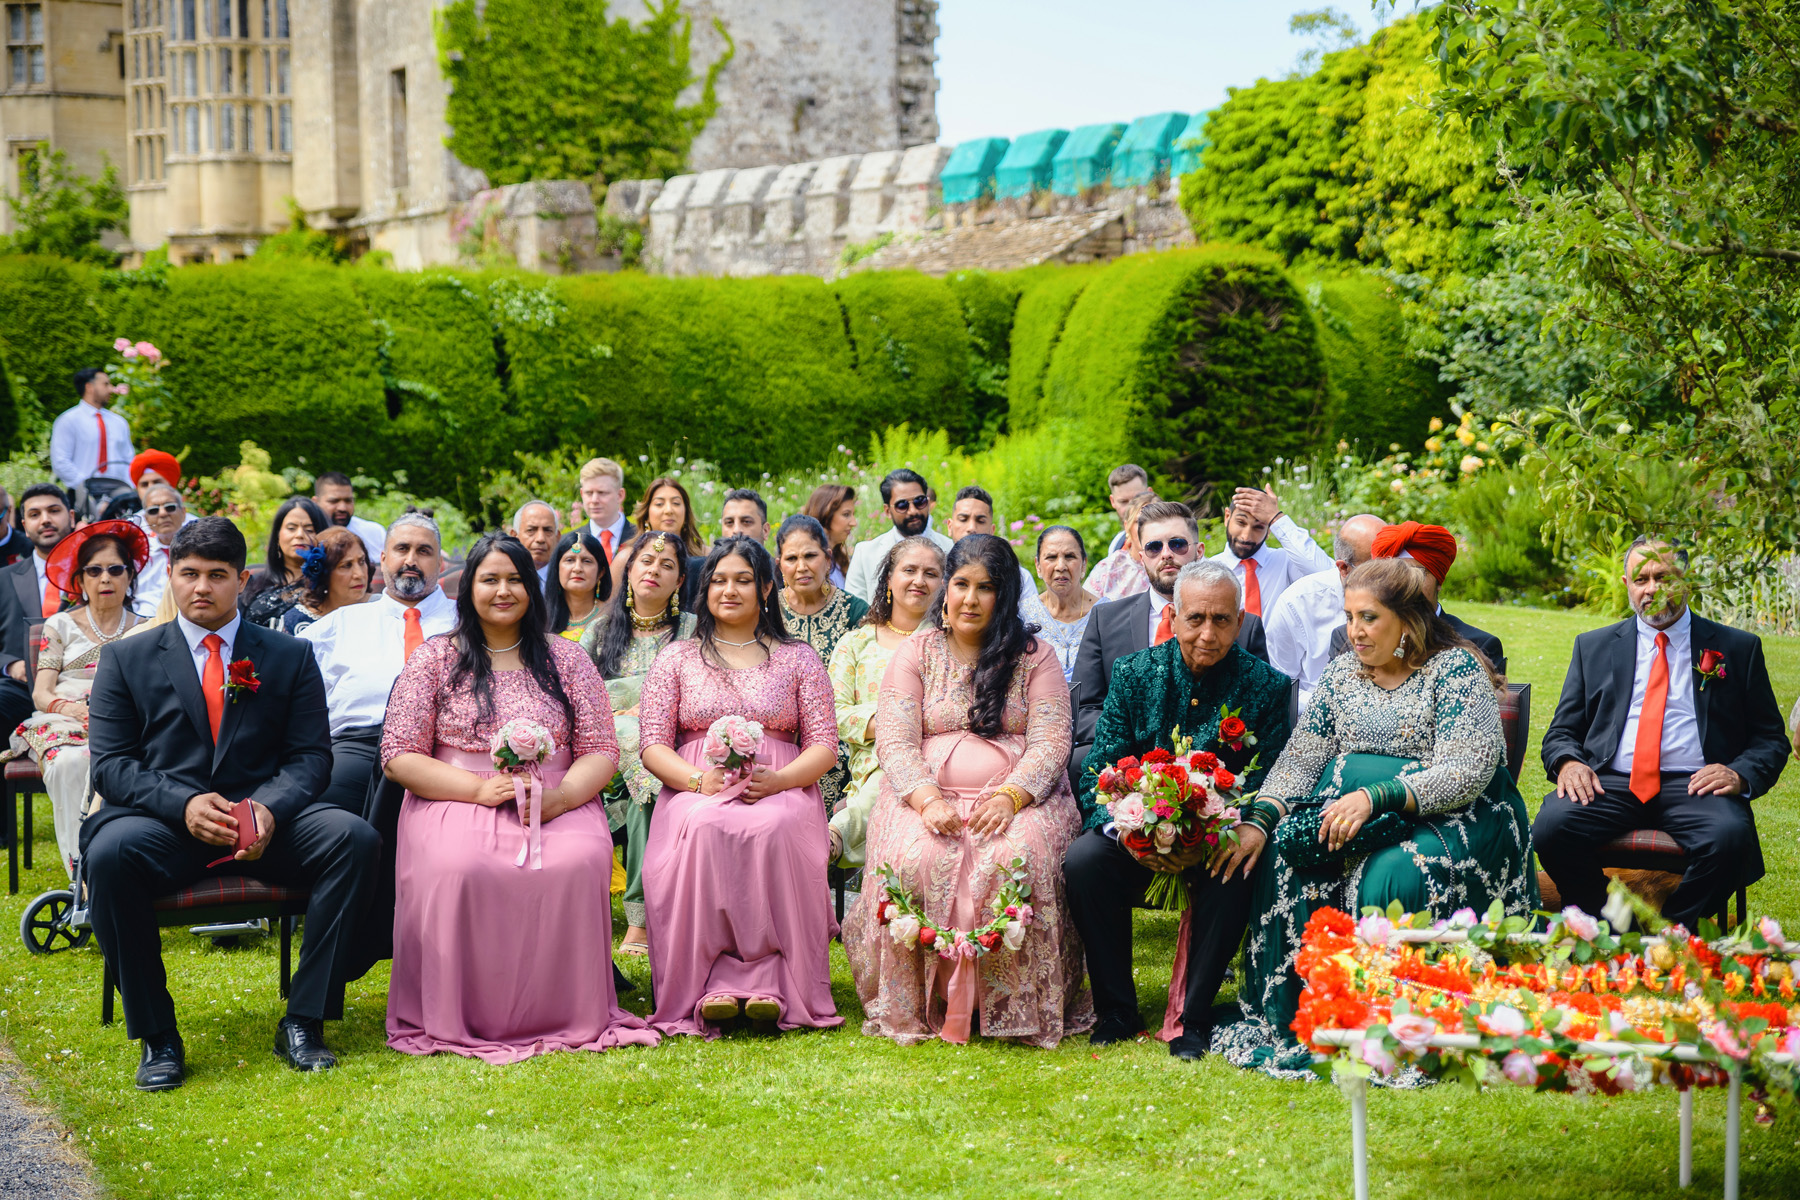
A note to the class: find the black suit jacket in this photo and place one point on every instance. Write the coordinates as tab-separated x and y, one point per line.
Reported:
1118	627
151	747
1740	723
21	603
1487	643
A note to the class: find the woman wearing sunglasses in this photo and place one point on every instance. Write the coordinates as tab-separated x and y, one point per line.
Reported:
98	565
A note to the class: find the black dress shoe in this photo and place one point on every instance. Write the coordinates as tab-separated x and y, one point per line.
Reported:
1191	1047
1113	1029
164	1065
300	1043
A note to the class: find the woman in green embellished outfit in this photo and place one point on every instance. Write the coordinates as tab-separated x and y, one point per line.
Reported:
818	613
908	579
1393	787
644	616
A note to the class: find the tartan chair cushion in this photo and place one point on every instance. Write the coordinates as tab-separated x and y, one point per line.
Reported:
22	768
1643	841
230	889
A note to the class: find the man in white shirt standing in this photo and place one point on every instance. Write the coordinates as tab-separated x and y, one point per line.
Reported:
603	500
360	649
334	493
1265	571
906	501
90	439
1300	625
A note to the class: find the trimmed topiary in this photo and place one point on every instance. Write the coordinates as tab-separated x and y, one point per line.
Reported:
1381	394
988	302
912	350
1046	294
50	327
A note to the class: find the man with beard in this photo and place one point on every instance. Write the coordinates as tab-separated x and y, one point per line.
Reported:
1170	538
1262	570
1667	721
1186	682
28	595
906	501
360	649
334	493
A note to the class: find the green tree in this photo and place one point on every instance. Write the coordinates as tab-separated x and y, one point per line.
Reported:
1668	133
300	240
1349	163
557	91
64	212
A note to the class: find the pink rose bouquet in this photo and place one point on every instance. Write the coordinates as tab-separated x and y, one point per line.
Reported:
520	745
732	743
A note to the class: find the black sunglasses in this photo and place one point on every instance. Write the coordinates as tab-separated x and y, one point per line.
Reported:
157	510
96	570
922	503
1177	545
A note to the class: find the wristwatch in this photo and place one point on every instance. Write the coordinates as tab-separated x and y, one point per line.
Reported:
694	781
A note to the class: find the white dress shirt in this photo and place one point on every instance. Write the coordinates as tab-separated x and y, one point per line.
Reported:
373	536
866	559
43	577
75	445
153	579
196	638
1681	725
1157	604
1297	557
617	529
360	649
1299	628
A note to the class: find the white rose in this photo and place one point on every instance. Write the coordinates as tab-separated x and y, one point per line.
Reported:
1013	936
905	931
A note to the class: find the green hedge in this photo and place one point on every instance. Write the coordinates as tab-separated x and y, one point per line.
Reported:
1201	364
912	350
1381	395
988	302
1046	294
51	325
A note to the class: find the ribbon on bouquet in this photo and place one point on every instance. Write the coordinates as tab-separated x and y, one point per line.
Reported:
529	786
959	1009
732	790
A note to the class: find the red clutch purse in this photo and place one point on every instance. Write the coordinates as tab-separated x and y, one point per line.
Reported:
247	833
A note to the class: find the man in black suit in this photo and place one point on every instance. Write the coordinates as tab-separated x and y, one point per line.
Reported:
175	740
1170	538
1667	721
1433	548
26	595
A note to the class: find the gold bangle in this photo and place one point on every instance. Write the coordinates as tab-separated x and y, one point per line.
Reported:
1020	798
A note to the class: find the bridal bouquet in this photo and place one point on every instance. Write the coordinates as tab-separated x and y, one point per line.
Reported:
910	928
732	743
1168	802
520	748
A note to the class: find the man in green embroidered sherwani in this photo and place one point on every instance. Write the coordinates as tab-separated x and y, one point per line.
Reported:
1185	683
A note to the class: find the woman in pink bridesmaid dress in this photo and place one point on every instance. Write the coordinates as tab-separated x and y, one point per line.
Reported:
740	916
972	731
501	935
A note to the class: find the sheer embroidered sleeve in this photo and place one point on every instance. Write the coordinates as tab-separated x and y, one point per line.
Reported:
411	724
1313	744
659	705
899	731
594	732
855	705
50	652
1049	724
1468	743
818	715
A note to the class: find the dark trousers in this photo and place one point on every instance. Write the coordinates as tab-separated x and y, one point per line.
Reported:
1103	882
136	858
358	785
355	762
16	703
1718	834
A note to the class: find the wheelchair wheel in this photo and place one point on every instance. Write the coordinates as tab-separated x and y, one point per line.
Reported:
45	925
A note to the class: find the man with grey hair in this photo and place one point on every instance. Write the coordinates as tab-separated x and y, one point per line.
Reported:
1667	721
1185	686
360	650
1300	626
535	527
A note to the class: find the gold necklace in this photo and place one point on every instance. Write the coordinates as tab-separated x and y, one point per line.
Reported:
646	624
905	633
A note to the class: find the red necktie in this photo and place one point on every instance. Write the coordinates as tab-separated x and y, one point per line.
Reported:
1165	629
415	633
1646	756
212	682
606	543
1252	589
100	419
52	599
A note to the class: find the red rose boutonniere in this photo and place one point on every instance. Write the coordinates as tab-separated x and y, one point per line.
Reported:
1710	666
1232	730
241	680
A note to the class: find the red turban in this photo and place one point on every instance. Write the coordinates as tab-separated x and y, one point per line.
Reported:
160	461
1432	546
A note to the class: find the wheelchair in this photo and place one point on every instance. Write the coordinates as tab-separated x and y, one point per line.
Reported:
58	920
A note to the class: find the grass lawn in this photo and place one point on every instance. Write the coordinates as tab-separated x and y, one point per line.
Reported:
834	1113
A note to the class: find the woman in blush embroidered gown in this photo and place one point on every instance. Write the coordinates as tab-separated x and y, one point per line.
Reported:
498	954
973	733
740	918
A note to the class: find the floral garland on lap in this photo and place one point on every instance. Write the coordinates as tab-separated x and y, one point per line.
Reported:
910	928
1531	1000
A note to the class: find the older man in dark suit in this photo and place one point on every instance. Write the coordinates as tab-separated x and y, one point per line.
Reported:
1667	721
1170	538
189	719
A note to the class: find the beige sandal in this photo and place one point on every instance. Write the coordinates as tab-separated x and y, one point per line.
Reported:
719	1008
762	1008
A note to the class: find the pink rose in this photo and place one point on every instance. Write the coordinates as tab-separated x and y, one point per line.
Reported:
1519	1068
1374	930
1164	838
1770	928
1025	911
1163	810
129	352
905	932
1580	924
1413	1032
119	389
1014	935
714	750
121	344
1504	1021
1725	1041
146	350
523	741
1791	1043
1378	1056
1128	813
1464	918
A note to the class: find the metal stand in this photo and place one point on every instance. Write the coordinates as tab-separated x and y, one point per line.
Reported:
1687	1137
1356	1090
1734	1103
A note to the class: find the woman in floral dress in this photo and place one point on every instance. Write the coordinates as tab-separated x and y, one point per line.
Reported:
973	734
740	918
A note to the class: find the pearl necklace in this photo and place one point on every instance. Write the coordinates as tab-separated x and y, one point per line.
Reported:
740	645
118	631
506	649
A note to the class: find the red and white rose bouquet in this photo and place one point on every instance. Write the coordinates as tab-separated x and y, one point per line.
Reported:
1169	802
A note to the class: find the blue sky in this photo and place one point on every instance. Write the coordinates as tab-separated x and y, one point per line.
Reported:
1011	66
